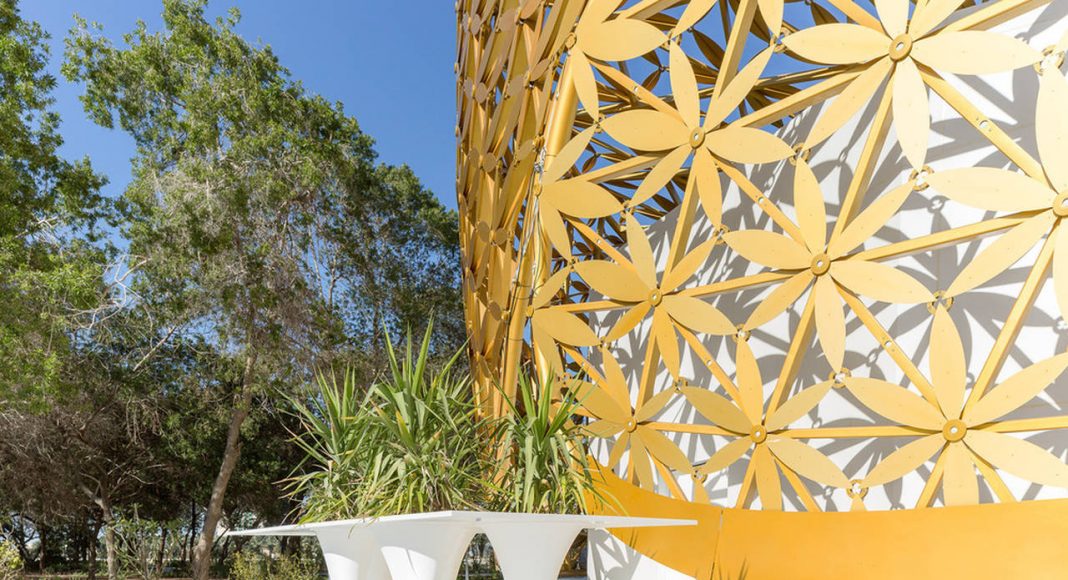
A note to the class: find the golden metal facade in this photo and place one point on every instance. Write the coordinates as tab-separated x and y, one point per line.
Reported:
582	124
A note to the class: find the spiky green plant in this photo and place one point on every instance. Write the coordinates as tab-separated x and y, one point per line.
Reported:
335	436
546	467
433	441
415	443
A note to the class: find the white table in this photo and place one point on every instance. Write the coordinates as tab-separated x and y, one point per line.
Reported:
431	546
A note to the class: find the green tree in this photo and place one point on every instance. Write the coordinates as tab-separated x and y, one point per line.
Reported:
262	220
52	265
99	448
10	561
51	272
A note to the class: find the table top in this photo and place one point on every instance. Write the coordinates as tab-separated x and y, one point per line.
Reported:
472	517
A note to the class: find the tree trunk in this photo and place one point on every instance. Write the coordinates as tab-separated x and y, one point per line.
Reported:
110	542
232	452
162	550
92	549
225	550
41	535
187	544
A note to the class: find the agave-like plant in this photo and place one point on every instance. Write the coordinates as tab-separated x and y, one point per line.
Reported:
431	441
335	435
413	443
546	469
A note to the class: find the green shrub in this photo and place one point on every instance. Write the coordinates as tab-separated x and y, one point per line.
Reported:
413	443
248	565
139	542
544	453
10	561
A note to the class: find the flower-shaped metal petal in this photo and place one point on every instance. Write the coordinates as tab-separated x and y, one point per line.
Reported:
894	54
761	432
824	265
607	400
637	285
1043	203
679	135
965	435
596	36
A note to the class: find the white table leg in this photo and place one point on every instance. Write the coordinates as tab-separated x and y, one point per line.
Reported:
352	555
527	551
426	551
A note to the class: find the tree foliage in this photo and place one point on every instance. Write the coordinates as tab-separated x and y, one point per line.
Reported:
50	268
260	209
262	240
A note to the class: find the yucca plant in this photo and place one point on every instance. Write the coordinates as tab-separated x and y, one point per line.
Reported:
413	443
416	442
431	439
336	436
546	467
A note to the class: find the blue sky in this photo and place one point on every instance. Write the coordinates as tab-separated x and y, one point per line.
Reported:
393	70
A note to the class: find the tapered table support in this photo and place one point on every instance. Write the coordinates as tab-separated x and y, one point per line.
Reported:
423	551
531	551
352	554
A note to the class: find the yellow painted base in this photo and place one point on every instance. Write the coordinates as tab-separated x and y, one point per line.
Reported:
1013	540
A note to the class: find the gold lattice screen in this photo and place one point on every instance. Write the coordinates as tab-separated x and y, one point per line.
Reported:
703	213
